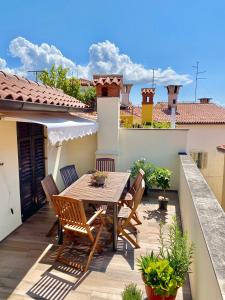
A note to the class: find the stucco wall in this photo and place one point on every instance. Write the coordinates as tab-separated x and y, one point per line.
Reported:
9	179
204	221
159	146
206	138
80	152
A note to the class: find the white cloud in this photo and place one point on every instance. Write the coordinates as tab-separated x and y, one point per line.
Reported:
104	57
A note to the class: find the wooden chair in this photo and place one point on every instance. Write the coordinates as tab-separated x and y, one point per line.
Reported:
105	164
50	188
69	175
74	222
126	214
127	199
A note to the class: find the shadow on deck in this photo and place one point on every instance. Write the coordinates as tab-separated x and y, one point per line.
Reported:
28	269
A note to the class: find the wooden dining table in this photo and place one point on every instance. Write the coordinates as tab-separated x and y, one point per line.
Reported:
109	194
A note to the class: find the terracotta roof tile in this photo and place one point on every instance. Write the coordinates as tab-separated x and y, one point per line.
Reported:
221	148
17	88
188	113
86	82
105	79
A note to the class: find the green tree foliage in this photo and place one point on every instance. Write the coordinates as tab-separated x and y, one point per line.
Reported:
58	78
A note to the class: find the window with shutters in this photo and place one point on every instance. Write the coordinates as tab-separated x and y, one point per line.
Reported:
31	167
200	158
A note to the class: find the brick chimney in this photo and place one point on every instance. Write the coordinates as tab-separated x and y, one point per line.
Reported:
204	100
108	85
173	91
125	94
108	89
147	104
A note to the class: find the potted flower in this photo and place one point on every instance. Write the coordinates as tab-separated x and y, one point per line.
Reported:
147	167
161	178
99	177
132	292
164	273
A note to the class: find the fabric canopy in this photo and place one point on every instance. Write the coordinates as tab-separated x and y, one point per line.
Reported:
61	126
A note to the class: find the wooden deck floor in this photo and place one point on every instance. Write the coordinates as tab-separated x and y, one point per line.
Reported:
28	271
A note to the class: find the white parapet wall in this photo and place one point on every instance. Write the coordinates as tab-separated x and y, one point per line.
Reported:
159	146
204	221
10	211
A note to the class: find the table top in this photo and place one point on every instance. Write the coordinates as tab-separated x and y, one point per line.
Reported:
83	189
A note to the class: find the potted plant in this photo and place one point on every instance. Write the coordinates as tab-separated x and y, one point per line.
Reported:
164	273
161	178
132	292
99	177
147	167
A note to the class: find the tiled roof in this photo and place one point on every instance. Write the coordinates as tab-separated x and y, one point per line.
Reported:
13	87
86	82
188	113
221	148
105	79
148	90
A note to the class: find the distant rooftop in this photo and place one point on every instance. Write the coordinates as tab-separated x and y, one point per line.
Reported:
188	113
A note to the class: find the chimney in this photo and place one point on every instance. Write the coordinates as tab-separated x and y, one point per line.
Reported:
204	100
147	104
173	91
108	89
125	94
108	85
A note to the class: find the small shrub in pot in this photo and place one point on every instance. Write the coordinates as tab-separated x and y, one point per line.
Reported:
132	292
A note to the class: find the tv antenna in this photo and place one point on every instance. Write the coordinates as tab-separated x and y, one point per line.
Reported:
35	72
197	78
153	78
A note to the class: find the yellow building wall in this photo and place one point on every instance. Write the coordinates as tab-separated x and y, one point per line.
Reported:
206	138
147	112
9	179
127	120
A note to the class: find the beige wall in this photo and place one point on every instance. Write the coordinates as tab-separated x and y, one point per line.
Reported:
206	138
80	152
204	283
9	179
159	146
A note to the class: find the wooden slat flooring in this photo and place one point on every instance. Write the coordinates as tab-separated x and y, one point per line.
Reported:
28	270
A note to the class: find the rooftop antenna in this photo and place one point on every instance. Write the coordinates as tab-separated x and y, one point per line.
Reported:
197	72
153	78
36	73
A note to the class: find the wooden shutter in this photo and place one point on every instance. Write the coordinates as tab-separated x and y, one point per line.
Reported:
31	166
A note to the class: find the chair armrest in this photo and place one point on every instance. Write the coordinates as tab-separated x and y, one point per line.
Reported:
97	213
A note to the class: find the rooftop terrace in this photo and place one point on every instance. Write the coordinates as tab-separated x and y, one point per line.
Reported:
28	270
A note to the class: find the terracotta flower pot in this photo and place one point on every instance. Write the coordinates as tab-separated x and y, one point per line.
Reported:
151	295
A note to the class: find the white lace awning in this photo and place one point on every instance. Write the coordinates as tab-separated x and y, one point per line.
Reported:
61	126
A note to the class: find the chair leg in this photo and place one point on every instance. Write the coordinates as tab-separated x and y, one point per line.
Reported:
93	248
136	219
61	248
132	241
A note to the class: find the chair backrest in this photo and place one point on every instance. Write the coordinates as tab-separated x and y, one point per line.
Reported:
49	186
69	175
105	164
70	211
136	201
137	182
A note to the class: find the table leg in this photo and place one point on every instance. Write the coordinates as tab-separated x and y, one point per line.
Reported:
60	234
115	220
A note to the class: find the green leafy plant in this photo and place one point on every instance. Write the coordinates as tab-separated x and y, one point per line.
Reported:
165	272
176	248
158	274
161	178
146	166
132	292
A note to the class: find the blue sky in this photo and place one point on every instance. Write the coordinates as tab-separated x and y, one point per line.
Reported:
120	36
